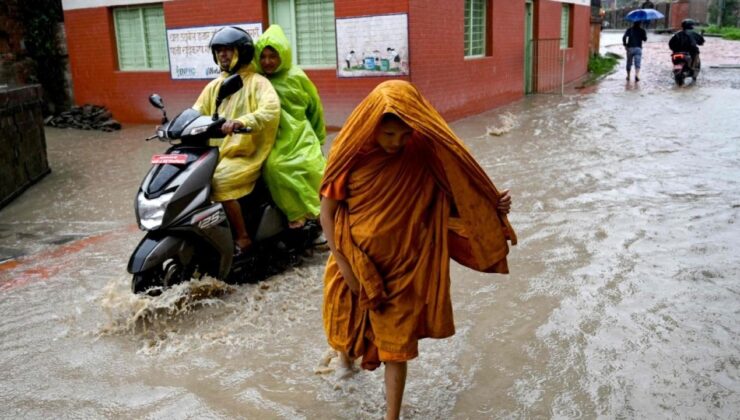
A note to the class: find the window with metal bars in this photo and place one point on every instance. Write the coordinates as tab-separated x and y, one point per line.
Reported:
475	28
565	26
141	38
309	25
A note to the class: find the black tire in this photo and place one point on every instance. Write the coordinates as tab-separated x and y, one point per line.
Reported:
149	281
679	79
155	280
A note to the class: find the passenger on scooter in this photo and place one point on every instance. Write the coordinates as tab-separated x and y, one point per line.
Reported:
255	106
294	168
688	41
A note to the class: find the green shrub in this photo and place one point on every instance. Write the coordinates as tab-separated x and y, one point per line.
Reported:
599	65
727	32
731	33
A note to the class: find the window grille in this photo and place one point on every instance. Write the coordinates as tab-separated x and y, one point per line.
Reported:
309	25
565	26
475	28
141	38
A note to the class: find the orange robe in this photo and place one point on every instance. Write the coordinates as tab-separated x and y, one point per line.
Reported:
400	219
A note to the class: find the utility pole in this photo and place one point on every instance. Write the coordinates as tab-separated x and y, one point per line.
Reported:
720	12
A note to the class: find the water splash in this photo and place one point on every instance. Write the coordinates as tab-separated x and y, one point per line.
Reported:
507	122
152	317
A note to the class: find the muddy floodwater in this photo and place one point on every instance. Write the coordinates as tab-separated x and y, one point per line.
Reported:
623	301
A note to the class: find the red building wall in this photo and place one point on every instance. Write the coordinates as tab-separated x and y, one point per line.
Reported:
679	12
456	86
549	67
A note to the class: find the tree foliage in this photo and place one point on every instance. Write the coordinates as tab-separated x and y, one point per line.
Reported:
729	15
40	19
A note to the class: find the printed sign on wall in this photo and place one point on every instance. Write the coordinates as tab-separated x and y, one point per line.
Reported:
190	57
373	46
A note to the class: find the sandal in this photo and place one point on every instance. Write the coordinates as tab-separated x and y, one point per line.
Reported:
319	240
240	252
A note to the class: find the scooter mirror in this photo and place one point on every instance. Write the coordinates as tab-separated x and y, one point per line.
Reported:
156	101
229	86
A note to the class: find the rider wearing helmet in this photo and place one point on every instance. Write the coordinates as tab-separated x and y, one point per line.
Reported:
687	41
255	106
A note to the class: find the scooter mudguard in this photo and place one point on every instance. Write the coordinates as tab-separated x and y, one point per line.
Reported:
153	252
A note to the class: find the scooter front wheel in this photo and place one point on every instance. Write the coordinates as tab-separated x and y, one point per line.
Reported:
155	280
149	282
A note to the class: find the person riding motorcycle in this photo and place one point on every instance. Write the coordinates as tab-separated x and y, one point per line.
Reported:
256	107
688	41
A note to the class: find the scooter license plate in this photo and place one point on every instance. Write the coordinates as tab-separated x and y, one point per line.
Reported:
678	67
170	159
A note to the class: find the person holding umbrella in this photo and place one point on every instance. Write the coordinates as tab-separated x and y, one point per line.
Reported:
632	41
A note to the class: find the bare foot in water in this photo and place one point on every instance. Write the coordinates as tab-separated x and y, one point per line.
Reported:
346	367
323	366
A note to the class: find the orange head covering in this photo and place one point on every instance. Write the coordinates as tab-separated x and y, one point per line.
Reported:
474	195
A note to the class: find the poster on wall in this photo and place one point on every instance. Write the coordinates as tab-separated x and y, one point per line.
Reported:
373	46
190	57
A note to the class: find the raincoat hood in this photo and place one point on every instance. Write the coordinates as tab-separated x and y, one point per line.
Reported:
274	37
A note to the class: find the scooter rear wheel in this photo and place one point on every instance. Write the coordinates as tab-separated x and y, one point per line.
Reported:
679	79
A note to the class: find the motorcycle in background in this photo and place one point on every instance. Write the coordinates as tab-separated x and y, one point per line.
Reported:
682	67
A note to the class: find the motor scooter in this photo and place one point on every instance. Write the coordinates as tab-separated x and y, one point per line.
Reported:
682	67
187	234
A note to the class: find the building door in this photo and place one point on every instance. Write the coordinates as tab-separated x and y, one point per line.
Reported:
528	45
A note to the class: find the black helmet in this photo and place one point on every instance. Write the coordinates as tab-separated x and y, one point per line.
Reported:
688	24
231	36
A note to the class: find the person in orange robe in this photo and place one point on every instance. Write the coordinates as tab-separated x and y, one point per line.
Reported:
402	195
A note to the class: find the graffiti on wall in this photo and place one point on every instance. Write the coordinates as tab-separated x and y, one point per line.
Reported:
373	46
190	56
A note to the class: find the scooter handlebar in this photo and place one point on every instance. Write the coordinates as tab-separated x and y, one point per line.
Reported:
243	130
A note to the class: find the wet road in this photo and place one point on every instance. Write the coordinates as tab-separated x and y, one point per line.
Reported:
623	300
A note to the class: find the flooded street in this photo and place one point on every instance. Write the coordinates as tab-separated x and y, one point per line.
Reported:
623	302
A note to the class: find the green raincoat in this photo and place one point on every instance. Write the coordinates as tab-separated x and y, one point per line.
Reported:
295	166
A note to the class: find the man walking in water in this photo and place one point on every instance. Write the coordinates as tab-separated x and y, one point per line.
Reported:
632	41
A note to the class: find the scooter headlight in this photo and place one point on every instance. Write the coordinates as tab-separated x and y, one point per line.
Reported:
151	211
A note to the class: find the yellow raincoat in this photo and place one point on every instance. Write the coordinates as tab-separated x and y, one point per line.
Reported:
256	106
